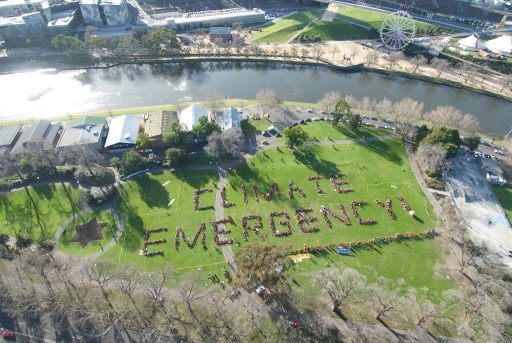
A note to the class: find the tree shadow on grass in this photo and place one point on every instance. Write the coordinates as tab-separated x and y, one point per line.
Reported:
196	180
383	149
308	157
44	191
152	193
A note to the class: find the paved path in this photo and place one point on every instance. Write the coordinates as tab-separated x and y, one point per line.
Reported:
219	215
119	232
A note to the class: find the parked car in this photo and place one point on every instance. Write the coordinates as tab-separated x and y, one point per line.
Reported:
310	110
7	335
316	119
499	152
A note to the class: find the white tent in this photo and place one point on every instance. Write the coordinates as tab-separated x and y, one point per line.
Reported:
502	45
471	43
190	116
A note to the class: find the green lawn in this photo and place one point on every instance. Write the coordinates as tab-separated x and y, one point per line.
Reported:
374	170
144	205
324	131
37	211
341	28
74	248
284	29
254	127
504	195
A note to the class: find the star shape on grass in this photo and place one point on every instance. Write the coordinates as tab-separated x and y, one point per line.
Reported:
90	231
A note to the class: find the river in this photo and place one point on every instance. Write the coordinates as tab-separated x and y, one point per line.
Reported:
75	91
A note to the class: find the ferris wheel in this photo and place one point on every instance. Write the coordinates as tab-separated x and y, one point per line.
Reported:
397	30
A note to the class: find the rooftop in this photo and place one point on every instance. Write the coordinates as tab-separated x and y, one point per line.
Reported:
158	122
84	130
228	118
41	132
62	18
123	130
8	134
220	30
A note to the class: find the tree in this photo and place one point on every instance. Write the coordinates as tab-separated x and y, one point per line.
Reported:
392	59
304	53
329	101
267	100
384	107
440	65
420	133
295	137
341	110
471	142
431	158
507	82
408	113
175	156
205	128
385	297
23	241
319	53
174	135
130	162
448	138
213	103
97	43
161	41
228	143
143	141
371	57
334	50
262	264
72	46
355	121
4	238
417	62
450	116
341	285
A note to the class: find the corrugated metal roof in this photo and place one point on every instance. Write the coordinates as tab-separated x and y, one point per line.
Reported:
8	134
123	130
42	131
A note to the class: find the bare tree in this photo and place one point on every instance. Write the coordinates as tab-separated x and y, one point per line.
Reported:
408	112
354	51
227	143
329	101
423	309
417	62
267	100
340	286
213	103
392	60
294	51
440	65
384	107
318	53
385	297
452	117
304	53
334	50
372	57
431	157
506	83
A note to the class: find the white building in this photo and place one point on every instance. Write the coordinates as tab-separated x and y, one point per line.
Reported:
228	118
15	30
501	45
190	116
471	43
105	12
225	17
123	132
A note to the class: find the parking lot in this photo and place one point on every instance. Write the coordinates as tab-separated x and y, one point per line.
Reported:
479	207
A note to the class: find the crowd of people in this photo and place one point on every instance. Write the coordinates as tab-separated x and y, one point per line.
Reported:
217	230
337	184
326	212
201	231
387	206
304	221
317	179
284	223
292	187
360	203
225	202
147	242
256	228
197	193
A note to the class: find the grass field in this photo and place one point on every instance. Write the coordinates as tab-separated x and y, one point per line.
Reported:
375	171
37	211
74	248
343	27
324	131
145	205
504	195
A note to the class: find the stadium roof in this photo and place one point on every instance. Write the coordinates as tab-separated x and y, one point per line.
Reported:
220	30
123	130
